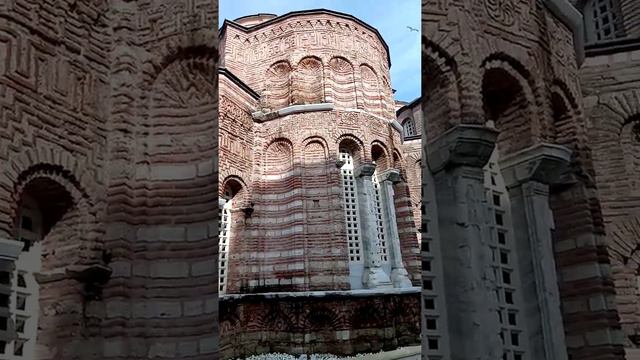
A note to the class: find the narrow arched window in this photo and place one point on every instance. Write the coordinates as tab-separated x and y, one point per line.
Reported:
350	199
602	20
409	128
24	304
224	219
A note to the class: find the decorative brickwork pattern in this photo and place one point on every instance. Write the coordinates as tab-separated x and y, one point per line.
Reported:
313	150
333	323
107	121
489	67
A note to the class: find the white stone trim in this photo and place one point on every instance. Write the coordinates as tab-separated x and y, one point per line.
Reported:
320	294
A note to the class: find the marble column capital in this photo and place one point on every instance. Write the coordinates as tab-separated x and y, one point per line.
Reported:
463	145
543	163
392	175
10	249
365	169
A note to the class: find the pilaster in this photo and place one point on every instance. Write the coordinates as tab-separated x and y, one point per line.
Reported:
399	275
373	275
457	159
527	175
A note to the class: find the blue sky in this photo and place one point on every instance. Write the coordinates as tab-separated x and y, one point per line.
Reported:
390	20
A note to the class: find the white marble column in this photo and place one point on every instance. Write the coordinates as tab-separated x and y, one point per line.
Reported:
399	275
373	275
456	159
527	175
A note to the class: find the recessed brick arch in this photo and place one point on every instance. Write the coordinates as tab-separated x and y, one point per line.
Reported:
355	146
79	178
370	88
308	84
64	216
176	49
508	100
342	82
315	150
278	156
440	94
237	185
278	85
380	154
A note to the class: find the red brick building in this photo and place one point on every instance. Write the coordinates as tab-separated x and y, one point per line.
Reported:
108	237
318	247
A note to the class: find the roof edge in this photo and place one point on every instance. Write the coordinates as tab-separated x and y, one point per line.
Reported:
409	105
290	14
236	80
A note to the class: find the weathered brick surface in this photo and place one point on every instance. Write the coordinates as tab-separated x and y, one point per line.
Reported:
341	325
288	230
612	106
488	64
116	104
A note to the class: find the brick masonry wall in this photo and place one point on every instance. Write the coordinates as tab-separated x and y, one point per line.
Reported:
288	231
336	324
106	81
610	84
162	185
490	66
345	61
53	75
631	17
298	211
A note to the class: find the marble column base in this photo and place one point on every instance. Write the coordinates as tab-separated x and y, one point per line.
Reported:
400	278
375	278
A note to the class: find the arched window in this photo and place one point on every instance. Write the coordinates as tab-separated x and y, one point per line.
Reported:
409	127
602	20
224	220
351	207
24	299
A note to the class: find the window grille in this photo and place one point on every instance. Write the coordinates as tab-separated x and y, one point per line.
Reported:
24	306
603	20
380	220
224	221
409	127
503	258
350	199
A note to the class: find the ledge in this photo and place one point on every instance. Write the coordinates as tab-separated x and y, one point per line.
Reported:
293	109
543	163
462	145
10	249
612	47
325	294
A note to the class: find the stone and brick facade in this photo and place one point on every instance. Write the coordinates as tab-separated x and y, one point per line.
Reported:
530	140
610	80
108	139
319	248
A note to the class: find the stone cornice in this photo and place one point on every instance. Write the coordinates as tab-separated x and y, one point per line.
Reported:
392	175
543	163
259	116
366	169
463	145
